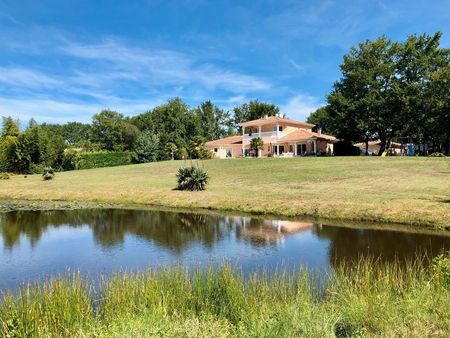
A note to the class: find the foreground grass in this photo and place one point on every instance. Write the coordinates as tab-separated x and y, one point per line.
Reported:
401	190
366	299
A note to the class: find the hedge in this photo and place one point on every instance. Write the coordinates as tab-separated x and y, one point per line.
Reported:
100	159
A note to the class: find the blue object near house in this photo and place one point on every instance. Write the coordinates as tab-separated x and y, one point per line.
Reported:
410	149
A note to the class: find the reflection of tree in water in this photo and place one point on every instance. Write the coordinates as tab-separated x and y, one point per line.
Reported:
349	244
169	229
32	224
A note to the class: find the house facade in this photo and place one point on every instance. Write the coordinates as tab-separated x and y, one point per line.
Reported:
282	137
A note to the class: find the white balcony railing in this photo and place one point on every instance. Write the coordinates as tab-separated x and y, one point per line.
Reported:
268	134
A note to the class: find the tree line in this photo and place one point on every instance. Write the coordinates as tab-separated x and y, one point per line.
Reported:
392	91
169	131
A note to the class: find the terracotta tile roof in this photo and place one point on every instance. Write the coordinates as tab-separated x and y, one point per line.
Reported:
274	120
225	141
304	134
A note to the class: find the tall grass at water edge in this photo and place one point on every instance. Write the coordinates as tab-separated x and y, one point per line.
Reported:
363	299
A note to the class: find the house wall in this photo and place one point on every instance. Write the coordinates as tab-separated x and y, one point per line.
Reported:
236	150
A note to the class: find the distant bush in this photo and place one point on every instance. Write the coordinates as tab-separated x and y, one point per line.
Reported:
37	168
100	159
4	176
48	174
192	178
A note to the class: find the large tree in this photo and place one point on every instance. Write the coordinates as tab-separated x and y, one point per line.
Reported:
76	133
439	121
384	91
112	131
252	111
213	122
173	122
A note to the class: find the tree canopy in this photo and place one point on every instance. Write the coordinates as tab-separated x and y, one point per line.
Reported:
389	90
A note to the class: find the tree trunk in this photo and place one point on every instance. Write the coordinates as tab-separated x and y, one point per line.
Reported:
382	145
367	147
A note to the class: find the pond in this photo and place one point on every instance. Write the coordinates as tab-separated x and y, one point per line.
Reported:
41	244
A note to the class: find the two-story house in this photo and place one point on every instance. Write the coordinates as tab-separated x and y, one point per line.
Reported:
282	137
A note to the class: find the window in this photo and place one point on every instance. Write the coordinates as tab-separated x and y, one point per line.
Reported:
291	148
280	128
215	150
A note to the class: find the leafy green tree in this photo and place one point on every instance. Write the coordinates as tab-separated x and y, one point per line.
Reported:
197	148
321	118
10	127
10	155
75	133
419	57
252	111
41	145
256	144
146	147
172	122
212	120
386	91
112	131
439	121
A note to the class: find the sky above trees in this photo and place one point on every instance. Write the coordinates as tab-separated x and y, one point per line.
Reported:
65	60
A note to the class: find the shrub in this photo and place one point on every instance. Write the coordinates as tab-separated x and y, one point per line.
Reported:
100	159
146	147
183	153
192	178
4	176
48	174
36	168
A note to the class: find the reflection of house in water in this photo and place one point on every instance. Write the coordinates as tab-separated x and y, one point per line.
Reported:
264	232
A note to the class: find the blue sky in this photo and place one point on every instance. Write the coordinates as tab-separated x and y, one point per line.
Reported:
66	60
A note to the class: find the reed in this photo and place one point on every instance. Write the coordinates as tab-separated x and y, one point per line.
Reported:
363	299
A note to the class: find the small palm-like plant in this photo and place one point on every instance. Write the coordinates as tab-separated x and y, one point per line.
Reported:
256	144
192	178
48	174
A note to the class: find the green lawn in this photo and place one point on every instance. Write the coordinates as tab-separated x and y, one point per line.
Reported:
404	190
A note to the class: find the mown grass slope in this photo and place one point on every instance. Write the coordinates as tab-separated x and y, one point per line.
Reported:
404	190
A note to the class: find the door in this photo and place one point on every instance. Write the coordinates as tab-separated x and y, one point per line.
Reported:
301	149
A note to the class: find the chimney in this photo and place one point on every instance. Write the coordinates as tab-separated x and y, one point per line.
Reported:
319	131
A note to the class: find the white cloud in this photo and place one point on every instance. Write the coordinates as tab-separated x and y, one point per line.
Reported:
300	106
118	76
58	111
23	77
159	67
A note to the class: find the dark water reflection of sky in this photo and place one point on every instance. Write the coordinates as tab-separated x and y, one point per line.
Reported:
41	244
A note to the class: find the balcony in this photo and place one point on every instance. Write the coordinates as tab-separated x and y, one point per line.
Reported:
268	134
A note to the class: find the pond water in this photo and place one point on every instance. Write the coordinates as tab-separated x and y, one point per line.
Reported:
40	244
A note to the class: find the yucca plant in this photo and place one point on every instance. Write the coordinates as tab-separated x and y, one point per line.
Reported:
48	174
192	178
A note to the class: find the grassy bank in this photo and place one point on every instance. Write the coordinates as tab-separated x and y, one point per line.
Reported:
366	299
402	190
